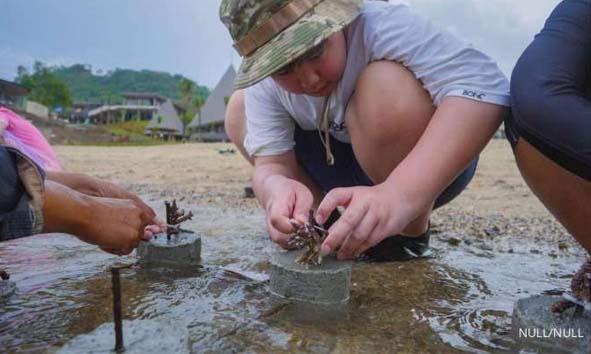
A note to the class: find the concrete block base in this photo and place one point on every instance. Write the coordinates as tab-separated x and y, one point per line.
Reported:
140	336
183	250
534	326
328	283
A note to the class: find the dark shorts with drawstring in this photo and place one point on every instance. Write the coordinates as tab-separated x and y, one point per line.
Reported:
346	171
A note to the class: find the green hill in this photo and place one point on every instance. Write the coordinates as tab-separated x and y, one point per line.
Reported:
88	87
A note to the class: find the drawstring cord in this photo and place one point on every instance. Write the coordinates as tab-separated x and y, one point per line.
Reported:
324	128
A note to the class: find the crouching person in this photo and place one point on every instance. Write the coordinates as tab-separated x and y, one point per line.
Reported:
366	106
550	128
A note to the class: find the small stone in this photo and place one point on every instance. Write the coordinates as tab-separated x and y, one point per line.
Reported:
182	250
248	193
454	241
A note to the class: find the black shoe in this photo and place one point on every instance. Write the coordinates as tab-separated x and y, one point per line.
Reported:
398	248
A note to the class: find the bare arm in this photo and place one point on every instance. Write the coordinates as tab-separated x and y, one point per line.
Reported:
114	224
98	188
458	131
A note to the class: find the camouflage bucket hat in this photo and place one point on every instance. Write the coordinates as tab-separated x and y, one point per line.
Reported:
270	34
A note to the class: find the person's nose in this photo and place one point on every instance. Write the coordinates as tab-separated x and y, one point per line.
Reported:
307	76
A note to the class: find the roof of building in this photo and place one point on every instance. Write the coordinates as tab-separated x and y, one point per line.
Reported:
105	108
86	105
214	109
166	120
12	88
144	95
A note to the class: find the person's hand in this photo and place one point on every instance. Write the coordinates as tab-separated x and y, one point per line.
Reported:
287	200
371	214
115	225
108	189
158	226
98	188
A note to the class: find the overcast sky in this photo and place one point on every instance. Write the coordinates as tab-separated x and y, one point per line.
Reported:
186	36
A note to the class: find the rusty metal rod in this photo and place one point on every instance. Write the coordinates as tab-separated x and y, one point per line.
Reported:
115	279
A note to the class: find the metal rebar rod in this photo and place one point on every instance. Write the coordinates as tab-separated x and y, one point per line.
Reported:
115	279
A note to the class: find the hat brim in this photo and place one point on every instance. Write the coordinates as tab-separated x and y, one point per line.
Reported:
323	20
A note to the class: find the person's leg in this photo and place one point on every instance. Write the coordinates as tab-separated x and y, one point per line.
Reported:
386	117
566	195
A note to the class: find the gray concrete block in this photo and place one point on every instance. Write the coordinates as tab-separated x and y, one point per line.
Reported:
7	288
183	250
535	327
139	336
328	283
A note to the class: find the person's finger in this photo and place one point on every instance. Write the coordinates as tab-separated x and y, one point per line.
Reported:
153	228
303	204
358	237
333	199
159	222
277	237
344	226
279	219
371	241
148	235
146	218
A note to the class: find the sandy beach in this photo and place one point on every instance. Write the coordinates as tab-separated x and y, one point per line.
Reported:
204	173
497	208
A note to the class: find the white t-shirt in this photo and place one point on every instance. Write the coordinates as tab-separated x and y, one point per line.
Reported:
445	65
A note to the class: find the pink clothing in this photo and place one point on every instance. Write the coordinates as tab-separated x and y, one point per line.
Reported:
21	134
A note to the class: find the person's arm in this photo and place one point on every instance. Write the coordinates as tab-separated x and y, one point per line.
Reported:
550	86
99	188
280	184
283	189
458	131
116	225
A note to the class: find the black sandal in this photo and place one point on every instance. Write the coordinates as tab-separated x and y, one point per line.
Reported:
398	248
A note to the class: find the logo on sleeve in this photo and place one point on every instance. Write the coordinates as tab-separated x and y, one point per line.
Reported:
474	94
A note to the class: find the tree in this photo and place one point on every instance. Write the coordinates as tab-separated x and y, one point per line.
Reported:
46	88
187	89
191	99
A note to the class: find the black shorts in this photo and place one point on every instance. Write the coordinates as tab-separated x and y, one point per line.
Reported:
561	154
551	90
346	171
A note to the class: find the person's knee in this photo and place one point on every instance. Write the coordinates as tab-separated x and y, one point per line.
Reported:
389	101
235	120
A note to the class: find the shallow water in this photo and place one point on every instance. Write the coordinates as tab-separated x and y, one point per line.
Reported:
461	300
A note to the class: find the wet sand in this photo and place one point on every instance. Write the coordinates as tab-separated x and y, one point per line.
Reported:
492	246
